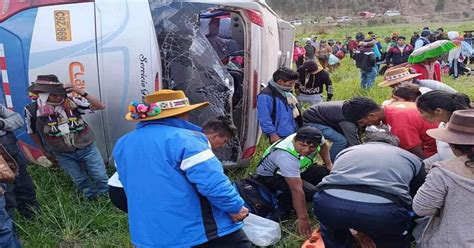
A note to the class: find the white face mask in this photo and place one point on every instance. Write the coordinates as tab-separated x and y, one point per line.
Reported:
43	97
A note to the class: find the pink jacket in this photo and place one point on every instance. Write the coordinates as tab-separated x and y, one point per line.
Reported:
297	52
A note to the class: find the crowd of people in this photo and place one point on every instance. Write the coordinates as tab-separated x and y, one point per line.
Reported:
388	167
374	173
373	57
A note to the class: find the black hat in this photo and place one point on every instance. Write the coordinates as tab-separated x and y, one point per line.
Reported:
401	37
309	134
425	33
47	84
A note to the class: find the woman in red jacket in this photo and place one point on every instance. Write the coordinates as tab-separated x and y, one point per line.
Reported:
429	69
298	54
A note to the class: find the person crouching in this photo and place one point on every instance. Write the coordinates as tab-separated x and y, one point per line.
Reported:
288	165
370	189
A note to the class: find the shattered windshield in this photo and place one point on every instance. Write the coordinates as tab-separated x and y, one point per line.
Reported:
190	63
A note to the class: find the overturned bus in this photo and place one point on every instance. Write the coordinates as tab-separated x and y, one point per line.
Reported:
120	50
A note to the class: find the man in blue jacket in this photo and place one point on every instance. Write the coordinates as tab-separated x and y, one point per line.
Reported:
178	194
278	110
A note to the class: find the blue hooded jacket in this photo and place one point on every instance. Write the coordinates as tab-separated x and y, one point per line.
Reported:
275	115
178	194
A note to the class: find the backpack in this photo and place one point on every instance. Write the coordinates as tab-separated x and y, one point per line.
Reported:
257	197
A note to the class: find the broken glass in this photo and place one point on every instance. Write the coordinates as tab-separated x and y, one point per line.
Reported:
190	63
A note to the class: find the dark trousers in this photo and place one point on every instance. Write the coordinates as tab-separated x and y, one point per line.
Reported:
118	198
278	185
236	239
21	194
387	224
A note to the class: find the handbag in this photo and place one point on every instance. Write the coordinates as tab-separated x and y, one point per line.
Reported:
8	166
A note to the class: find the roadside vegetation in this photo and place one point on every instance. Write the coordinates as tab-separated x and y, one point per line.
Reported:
68	220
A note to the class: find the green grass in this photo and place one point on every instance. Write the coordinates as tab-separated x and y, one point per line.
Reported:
68	220
407	29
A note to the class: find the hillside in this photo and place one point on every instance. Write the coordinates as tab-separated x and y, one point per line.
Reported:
315	8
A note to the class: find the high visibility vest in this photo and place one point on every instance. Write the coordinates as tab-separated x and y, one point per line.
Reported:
288	146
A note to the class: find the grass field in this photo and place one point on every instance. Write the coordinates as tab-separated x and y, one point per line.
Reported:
68	220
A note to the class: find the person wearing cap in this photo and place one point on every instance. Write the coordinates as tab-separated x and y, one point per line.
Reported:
55	120
370	190
448	192
312	79
398	54
278	110
402	118
437	107
424	39
365	59
289	167
177	192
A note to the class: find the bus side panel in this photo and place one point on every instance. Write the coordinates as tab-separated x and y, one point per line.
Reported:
15	39
128	62
64	44
286	33
264	50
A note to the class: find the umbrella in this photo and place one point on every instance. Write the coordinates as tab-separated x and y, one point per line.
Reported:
432	50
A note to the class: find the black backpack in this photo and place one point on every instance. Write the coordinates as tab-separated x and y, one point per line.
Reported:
258	198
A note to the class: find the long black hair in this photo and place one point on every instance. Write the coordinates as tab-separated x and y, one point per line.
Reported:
466	149
450	102
409	92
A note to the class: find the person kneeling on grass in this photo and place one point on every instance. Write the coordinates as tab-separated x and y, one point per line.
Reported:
289	167
328	117
402	118
370	190
218	131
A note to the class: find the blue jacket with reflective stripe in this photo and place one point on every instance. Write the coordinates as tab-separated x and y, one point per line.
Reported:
163	164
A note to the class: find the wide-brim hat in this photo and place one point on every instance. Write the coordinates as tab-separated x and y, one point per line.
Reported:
170	103
47	84
459	130
397	75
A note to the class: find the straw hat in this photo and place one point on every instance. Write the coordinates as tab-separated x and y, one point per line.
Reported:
397	75
459	130
47	84
161	104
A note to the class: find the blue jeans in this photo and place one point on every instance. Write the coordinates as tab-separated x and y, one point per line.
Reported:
339	141
367	78
8	237
87	170
387	224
